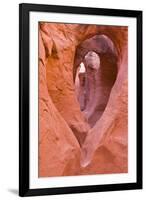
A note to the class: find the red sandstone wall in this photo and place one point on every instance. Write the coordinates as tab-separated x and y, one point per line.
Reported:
67	144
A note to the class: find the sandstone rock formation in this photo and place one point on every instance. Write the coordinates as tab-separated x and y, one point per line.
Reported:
100	74
71	143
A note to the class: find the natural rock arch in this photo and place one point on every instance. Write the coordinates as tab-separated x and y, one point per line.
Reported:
98	81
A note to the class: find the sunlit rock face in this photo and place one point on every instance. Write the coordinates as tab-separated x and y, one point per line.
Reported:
82	120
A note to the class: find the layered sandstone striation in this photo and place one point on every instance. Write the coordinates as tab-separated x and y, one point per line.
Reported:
82	138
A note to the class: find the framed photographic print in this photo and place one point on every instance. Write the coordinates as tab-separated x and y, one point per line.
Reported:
80	99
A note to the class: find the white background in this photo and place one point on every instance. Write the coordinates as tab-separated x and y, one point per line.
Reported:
9	98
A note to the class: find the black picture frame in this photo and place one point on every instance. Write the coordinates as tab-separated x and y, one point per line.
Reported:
24	10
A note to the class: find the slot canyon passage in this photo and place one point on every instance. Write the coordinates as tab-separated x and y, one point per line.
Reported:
83	99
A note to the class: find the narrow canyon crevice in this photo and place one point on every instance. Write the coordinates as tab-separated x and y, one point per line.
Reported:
99	57
82	99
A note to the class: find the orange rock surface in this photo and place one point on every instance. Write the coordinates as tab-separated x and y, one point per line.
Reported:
68	145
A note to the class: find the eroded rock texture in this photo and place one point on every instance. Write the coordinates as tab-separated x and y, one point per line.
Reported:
92	139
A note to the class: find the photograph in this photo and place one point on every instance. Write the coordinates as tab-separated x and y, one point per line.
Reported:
83	99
